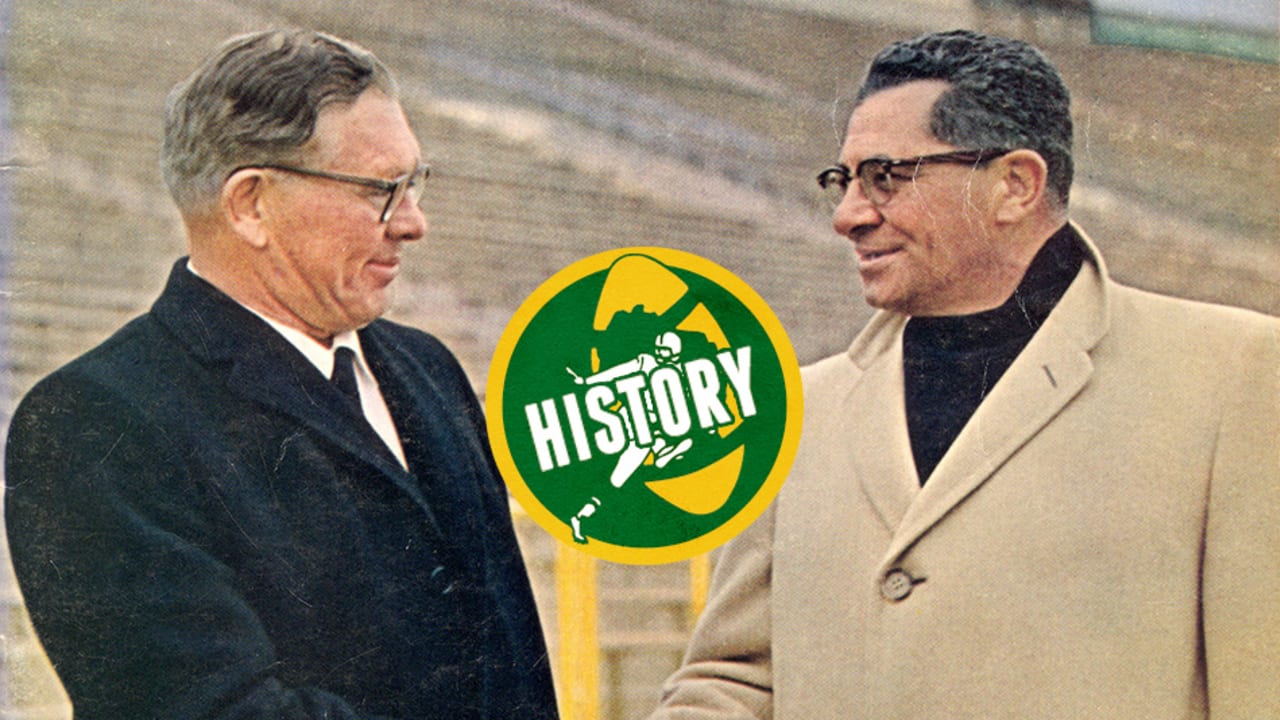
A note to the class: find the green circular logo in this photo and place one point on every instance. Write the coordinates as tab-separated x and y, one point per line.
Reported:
644	404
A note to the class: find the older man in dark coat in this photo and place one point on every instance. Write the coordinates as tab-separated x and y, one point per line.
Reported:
258	500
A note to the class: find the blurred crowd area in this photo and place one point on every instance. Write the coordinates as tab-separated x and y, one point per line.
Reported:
559	128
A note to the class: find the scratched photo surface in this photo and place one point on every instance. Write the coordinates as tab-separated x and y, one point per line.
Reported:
558	129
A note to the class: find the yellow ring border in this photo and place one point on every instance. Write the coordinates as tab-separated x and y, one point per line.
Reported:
727	281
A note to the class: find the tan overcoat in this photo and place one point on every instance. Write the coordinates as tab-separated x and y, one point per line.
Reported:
1101	541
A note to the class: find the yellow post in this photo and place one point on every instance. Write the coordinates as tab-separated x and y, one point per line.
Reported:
576	604
699	583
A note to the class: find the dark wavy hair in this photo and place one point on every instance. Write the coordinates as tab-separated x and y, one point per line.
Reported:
1004	94
256	100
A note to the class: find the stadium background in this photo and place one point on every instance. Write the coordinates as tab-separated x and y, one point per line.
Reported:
558	128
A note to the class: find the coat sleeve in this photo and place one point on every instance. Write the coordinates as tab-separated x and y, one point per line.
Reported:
727	670
1241	572
139	619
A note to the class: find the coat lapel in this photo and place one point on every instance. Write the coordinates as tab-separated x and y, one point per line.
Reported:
440	443
1044	378
275	374
1053	368
881	450
261	366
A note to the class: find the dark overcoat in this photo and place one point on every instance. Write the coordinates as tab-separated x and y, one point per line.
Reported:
203	528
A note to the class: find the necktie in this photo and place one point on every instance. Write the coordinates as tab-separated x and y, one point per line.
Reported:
344	377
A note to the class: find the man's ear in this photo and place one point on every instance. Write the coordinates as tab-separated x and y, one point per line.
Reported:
1020	185
240	204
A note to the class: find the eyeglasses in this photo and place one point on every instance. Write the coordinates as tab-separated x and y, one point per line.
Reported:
397	190
879	181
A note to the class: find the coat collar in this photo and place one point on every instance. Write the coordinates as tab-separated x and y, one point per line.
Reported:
1049	372
259	365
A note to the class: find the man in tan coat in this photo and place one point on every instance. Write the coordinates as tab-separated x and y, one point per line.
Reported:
1025	491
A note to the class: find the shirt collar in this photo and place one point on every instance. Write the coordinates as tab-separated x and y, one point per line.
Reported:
315	353
312	350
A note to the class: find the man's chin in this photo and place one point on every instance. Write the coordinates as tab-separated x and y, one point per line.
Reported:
371	304
354	317
878	299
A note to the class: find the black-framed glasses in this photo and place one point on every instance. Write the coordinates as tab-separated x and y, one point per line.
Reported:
397	190
879	180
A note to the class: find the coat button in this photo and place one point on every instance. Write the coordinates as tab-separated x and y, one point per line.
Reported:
897	585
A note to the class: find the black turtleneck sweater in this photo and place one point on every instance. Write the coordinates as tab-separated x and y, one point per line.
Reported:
951	363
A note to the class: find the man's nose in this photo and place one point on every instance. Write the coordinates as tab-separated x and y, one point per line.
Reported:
854	211
408	222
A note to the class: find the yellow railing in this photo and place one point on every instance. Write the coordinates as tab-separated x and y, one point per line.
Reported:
699	584
577	642
578	637
577	607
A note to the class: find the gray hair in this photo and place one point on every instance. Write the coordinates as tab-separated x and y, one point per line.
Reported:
256	100
1004	94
